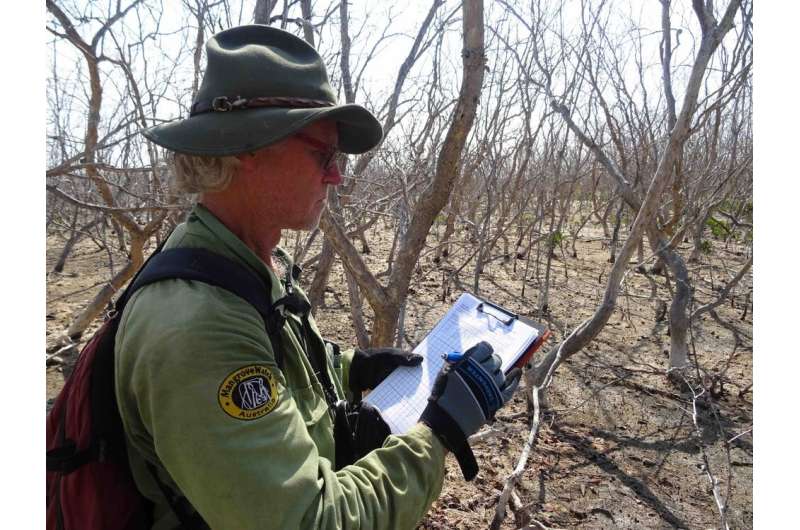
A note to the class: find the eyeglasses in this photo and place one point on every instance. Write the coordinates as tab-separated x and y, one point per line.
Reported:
327	151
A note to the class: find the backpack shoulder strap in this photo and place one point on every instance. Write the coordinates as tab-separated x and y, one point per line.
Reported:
205	266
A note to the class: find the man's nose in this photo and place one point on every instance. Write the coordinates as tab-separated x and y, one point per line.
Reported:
333	176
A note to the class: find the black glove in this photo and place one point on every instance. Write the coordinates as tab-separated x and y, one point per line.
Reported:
358	429
465	396
372	365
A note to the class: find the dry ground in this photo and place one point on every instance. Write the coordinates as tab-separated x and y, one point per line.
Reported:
617	446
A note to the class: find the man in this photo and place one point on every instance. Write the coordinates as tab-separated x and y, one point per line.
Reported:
216	412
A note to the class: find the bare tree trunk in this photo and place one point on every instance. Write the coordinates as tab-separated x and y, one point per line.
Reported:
449	228
612	246
447	167
392	251
300	252
357	311
401	325
386	302
119	232
640	257
200	15
543	304
316	293
604	219
576	233
483	235
263	10
138	234
537	271
76	235
527	265
308	28
73	237
713	33
679	308
385	326
697	237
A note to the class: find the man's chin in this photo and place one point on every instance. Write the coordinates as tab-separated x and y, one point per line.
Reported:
311	223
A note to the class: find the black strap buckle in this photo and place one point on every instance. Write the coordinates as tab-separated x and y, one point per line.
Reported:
223	104
292	303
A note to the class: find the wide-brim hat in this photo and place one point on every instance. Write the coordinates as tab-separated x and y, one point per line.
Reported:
261	85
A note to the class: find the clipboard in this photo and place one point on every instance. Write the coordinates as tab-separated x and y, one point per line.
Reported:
403	395
544	333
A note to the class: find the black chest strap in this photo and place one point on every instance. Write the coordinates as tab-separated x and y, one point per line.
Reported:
205	266
202	265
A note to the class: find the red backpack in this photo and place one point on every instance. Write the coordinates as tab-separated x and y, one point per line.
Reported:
89	482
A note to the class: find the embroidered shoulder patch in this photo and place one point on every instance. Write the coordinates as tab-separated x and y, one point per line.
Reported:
249	393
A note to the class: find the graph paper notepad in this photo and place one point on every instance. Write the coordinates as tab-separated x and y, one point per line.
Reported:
402	396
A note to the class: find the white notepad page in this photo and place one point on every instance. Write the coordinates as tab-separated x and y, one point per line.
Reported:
403	395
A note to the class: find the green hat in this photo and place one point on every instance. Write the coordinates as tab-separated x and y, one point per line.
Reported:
261	85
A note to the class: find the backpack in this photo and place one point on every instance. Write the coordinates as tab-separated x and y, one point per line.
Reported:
89	482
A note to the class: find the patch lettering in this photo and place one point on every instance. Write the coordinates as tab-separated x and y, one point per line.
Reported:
249	393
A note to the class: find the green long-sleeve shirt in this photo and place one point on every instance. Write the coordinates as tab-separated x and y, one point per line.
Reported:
248	444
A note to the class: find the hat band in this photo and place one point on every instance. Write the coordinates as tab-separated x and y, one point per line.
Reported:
226	103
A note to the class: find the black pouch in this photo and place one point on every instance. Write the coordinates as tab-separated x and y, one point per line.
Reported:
358	429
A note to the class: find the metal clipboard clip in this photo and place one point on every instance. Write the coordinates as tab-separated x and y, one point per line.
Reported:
511	316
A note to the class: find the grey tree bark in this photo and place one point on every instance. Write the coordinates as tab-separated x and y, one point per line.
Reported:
75	236
138	234
386	301
320	281
712	34
263	11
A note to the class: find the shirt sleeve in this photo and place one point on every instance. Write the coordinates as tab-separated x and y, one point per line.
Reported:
200	378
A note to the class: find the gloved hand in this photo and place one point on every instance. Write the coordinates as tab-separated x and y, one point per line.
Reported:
358	429
370	366
465	396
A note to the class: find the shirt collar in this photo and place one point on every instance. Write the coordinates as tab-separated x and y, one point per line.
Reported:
236	249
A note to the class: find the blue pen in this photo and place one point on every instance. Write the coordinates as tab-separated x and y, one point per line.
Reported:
452	357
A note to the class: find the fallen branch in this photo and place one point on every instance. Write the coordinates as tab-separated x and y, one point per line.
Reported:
54	360
540	525
722	505
62	349
511	481
483	436
706	464
740	434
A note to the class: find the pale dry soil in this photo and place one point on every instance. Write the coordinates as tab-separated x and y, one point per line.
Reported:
617	446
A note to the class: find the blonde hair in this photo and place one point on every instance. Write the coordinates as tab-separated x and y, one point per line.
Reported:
201	174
